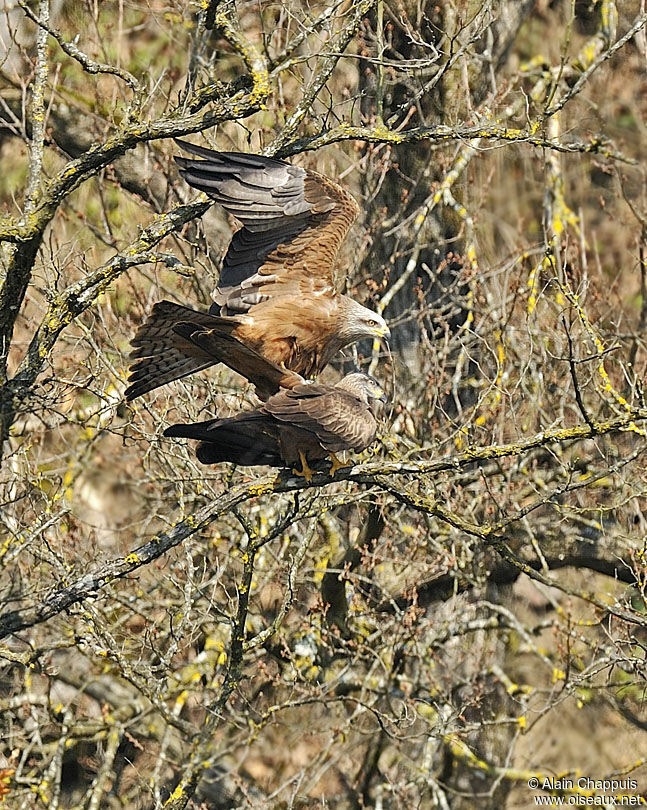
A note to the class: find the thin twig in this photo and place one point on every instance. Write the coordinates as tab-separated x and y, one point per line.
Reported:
374	474
89	65
638	25
576	386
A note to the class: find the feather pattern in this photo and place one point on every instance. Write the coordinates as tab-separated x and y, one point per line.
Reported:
162	355
310	418
294	222
276	294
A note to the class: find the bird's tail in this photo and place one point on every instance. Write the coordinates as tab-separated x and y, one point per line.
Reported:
245	360
240	440
162	354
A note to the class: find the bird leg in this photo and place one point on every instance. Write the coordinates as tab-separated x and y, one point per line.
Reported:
306	471
336	464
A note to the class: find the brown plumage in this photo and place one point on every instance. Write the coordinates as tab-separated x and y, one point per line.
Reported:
308	421
276	293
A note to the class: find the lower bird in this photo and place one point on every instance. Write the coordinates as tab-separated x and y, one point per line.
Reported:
307	422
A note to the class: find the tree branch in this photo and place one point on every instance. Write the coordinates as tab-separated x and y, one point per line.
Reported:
374	474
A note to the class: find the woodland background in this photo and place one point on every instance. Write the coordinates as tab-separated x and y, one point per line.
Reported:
462	609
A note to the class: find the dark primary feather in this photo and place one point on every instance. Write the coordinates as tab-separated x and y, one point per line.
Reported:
266	376
294	222
176	341
162	355
246	441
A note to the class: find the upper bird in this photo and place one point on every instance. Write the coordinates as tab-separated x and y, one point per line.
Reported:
276	292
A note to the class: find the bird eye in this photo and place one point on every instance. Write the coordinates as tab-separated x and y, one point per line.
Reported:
372	322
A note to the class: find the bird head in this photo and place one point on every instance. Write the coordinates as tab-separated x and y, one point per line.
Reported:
363	386
359	323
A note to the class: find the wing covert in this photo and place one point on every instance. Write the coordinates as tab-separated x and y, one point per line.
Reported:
338	420
294	222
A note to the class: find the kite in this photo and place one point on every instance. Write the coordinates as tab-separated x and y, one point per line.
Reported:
276	293
306	422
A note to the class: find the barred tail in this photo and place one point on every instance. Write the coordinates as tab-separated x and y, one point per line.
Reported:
163	355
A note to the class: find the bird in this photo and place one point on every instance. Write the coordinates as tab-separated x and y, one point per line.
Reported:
307	422
276	292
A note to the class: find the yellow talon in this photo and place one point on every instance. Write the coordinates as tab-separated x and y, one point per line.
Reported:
305	471
336	464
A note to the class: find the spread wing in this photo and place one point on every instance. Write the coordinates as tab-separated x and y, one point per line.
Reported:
294	222
338	419
265	375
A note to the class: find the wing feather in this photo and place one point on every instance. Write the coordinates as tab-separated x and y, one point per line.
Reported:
163	355
261	372
294	222
248	438
339	420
